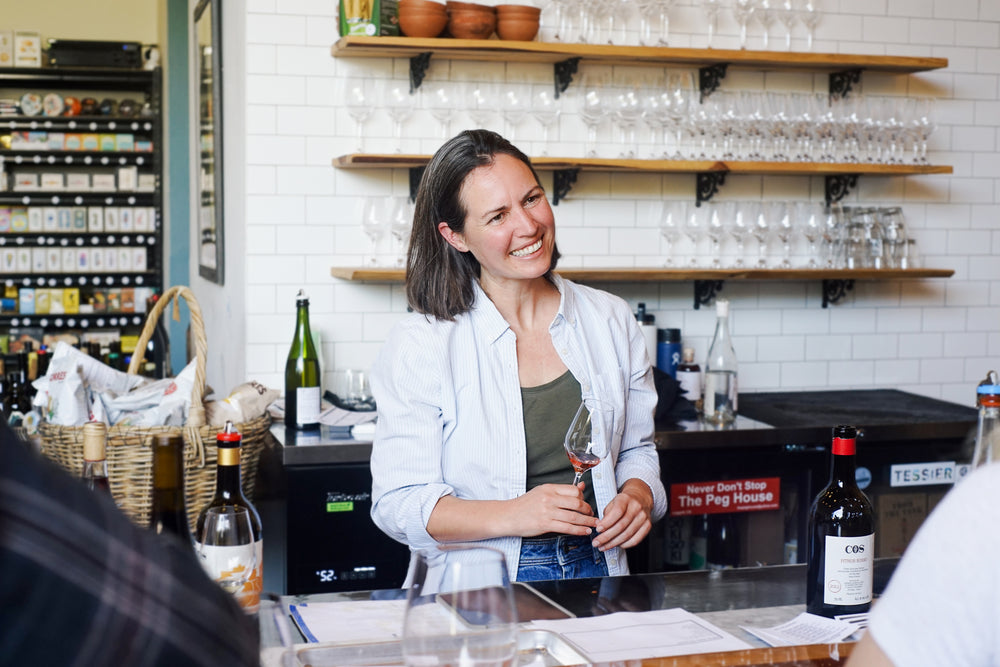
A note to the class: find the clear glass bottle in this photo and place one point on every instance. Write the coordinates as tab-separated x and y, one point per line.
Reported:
719	402
302	373
229	494
841	538
95	464
988	430
169	510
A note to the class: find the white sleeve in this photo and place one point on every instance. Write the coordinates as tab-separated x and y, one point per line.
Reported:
941	606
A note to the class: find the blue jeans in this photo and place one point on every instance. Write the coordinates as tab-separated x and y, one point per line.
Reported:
561	557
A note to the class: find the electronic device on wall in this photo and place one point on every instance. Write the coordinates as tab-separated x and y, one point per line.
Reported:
94	53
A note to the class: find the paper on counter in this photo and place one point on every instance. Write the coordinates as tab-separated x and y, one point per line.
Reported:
805	629
350	621
640	635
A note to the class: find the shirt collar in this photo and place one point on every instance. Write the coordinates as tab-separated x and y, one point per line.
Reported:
484	313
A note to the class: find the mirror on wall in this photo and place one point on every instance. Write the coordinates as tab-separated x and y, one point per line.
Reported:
208	60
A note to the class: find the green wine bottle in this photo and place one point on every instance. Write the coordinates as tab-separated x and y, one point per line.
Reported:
302	374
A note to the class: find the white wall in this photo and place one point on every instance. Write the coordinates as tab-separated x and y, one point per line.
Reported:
935	337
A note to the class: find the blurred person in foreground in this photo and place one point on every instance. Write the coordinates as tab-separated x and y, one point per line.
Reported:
476	389
942	604
80	584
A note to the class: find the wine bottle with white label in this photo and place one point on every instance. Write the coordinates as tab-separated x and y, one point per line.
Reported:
841	538
302	373
222	553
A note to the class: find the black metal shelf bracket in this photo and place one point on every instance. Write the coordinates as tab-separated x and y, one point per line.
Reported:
709	79
707	185
416	173
562	183
837	186
842	82
705	291
418	68
564	71
835	289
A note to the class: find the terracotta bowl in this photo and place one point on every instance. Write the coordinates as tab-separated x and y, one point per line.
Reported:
454	5
517	29
422	4
471	24
518	10
422	23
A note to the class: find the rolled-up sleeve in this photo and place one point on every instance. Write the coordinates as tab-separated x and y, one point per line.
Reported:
407	449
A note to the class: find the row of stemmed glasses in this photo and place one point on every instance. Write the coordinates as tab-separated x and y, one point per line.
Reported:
766	13
715	222
383	217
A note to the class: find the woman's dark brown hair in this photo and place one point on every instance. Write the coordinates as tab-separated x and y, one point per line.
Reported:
440	278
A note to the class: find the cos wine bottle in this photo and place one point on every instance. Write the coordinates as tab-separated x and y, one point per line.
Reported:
302	373
95	464
169	511
229	495
841	538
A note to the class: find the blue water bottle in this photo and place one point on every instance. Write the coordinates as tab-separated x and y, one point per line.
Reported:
668	350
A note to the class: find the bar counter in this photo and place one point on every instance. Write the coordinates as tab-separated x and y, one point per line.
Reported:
728	599
766	418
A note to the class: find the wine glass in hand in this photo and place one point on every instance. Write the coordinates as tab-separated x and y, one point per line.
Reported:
589	436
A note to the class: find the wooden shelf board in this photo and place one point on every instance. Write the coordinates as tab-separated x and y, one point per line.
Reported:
550	52
620	275
402	161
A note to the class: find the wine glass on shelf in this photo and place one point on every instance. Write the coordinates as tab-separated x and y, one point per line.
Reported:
374	223
545	109
787	15
671	222
588	438
810	14
227	550
683	94
654	22
653	102
358	95
761	231
593	108
514	108
441	101
811	222
743	12
739	228
694	229
923	118
627	111
711	9
766	15
400	226
481	102
398	103
716	214
783	221
459	608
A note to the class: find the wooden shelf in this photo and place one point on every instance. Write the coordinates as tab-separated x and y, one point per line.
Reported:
409	161
647	275
551	52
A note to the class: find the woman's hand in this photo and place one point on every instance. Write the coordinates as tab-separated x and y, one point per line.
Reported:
553	508
626	518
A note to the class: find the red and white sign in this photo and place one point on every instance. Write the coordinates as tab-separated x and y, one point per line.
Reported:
730	495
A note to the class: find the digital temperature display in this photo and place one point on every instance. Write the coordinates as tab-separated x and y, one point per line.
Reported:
354	574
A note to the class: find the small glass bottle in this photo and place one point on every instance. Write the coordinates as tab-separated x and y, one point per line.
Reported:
988	430
95	464
720	396
169	511
689	376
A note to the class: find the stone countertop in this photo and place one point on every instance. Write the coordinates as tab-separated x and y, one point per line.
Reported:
766	418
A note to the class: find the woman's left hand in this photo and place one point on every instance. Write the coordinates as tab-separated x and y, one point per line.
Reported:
626	519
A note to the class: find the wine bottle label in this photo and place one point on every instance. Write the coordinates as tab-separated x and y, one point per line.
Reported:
307	403
239	570
849	568
690	382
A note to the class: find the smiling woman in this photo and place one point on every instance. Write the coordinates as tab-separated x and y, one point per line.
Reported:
475	390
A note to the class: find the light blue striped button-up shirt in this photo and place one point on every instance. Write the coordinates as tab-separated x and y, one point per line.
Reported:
450	419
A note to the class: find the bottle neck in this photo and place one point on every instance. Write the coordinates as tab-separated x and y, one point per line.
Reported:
93	469
844	462
227	475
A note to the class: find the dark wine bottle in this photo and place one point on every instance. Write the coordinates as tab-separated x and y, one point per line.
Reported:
169	510
302	373
229	494
841	538
95	464
157	355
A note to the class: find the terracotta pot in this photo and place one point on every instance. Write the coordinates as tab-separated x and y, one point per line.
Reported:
517	29
454	5
471	24
422	23
518	10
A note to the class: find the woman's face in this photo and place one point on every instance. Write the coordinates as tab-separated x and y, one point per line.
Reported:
509	226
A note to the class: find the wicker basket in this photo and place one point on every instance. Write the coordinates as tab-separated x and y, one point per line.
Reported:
129	448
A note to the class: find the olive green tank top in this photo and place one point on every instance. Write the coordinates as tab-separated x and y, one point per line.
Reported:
548	410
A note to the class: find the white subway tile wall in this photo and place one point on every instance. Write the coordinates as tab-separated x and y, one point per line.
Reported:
935	337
